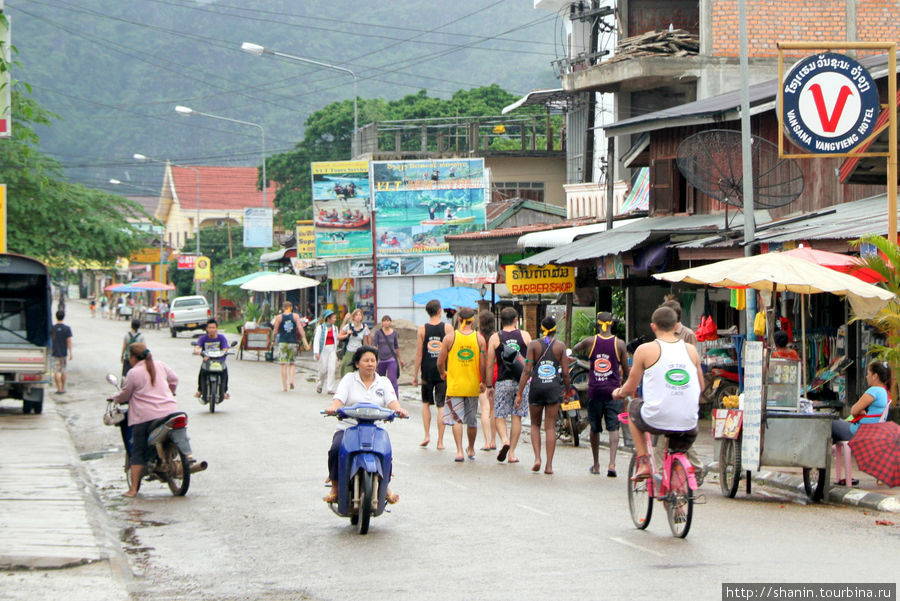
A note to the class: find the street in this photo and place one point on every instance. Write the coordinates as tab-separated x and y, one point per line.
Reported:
253	525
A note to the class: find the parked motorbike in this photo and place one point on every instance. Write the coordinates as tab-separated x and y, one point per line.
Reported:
364	465
166	462
212	378
572	417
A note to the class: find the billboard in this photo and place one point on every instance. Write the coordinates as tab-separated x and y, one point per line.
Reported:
257	227
306	240
342	209
420	202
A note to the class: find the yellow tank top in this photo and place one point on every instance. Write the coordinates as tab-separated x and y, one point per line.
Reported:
463	374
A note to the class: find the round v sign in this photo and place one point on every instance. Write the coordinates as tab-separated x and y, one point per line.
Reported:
830	103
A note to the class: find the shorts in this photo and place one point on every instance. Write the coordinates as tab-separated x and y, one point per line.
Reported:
678	440
287	352
59	364
604	406
434	393
505	399
543	396
462	410
139	434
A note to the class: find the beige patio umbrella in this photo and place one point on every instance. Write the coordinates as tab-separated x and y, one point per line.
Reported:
279	282
778	272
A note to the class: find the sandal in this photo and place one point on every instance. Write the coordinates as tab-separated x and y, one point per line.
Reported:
392	498
642	460
330	498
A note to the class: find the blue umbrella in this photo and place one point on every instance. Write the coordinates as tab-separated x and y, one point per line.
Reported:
454	296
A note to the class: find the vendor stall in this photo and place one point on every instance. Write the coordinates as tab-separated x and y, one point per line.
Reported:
774	425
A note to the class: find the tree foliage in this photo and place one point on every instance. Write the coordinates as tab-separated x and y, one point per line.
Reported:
226	263
50	218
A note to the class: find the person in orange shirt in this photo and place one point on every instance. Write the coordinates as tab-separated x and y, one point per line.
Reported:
781	350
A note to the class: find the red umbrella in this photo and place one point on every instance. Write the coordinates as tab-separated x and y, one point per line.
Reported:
152	285
838	262
877	451
113	287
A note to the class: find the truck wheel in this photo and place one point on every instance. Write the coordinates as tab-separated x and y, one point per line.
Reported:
174	332
34	402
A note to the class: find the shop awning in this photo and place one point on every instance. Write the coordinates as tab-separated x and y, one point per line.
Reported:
560	237
593	247
556	98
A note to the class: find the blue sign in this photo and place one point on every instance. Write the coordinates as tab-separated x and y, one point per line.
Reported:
830	103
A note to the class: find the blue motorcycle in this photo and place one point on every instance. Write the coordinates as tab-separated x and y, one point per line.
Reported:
364	465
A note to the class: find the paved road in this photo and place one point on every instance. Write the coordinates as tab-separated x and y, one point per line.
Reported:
253	526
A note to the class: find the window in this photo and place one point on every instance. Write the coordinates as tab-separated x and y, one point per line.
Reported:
526	190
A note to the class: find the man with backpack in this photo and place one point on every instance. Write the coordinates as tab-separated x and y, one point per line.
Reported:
506	350
131	336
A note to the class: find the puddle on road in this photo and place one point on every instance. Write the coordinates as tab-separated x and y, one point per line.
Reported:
99	454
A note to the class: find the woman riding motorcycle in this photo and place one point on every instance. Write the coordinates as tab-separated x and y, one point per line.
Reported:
363	385
149	390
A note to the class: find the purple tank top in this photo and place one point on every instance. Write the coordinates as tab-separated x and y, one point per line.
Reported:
605	374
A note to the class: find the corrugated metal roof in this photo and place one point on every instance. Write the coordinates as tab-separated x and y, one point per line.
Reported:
848	221
633	234
600	245
559	237
714	108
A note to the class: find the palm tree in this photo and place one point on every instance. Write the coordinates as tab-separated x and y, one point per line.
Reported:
887	264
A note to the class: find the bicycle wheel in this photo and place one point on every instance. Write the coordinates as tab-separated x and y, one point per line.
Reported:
640	503
680	501
178	476
730	467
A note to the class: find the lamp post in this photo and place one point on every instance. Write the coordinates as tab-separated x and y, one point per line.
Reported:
142	157
162	277
187	111
257	50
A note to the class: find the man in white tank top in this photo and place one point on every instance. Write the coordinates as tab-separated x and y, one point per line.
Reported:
672	380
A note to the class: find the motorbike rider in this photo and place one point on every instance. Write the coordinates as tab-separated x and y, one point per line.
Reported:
363	385
149	390
211	341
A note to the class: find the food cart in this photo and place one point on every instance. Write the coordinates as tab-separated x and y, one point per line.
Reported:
773	427
777	433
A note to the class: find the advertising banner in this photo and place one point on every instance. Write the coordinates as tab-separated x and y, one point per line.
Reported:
202	269
475	269
419	202
306	240
342	209
257	227
531	279
146	255
186	261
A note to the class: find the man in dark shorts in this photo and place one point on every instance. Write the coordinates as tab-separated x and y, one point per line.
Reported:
506	350
429	338
609	366
61	338
669	372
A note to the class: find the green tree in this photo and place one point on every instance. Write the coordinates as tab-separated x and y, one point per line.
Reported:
50	218
229	259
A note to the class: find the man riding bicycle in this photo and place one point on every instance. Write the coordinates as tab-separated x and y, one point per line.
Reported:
669	372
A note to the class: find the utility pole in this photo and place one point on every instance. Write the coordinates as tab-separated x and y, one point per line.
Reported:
747	164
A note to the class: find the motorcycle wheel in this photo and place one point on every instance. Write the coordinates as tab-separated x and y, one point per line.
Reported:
178	476
572	425
365	501
212	393
724	391
355	488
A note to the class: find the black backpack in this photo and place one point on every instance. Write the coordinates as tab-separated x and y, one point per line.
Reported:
512	359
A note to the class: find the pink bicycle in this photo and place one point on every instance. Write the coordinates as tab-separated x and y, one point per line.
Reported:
674	487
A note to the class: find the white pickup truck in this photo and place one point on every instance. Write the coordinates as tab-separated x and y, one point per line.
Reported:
24	330
188	313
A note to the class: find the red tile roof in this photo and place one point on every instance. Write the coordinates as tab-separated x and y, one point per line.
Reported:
221	188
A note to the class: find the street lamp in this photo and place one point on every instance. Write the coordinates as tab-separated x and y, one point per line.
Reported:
257	50
162	277
142	157
187	111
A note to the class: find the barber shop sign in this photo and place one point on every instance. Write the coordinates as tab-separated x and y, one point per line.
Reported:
830	103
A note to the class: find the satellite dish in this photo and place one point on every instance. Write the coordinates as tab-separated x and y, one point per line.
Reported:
711	161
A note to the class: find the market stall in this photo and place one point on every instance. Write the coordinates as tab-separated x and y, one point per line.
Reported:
775	425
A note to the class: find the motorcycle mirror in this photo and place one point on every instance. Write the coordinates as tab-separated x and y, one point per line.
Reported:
112	380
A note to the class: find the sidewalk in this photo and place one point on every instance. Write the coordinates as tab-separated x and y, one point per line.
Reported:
867	494
47	514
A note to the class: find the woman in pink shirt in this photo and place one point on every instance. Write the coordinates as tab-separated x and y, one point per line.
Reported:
149	390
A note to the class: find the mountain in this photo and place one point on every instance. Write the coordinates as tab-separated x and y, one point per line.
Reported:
113	70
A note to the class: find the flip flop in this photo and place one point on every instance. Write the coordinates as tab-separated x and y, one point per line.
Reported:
593	471
424	444
610	473
392	498
459	459
472	457
503	452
